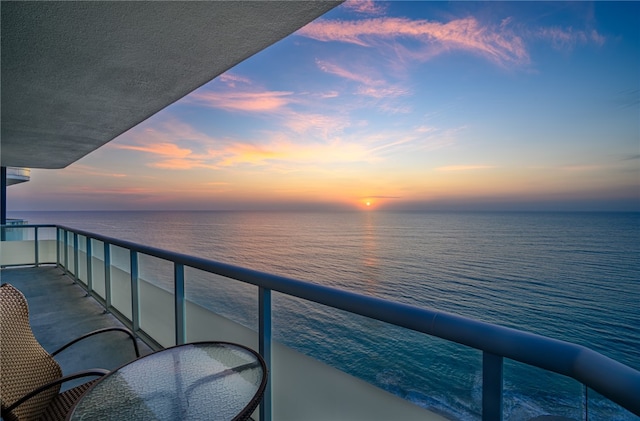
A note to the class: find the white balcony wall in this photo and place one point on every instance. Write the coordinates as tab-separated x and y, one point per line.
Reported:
17	252
157	313
121	281
97	268
47	251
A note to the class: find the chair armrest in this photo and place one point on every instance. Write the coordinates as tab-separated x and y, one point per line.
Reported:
95	332
93	372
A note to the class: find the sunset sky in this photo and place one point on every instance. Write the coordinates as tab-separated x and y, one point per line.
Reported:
405	105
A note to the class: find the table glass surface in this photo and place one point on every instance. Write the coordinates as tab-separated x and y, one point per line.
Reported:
202	381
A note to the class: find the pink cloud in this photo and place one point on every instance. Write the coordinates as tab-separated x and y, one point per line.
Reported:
231	79
376	88
165	149
334	69
261	101
367	7
382	92
295	154
497	44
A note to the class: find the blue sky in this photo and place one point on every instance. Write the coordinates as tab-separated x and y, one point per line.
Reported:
401	105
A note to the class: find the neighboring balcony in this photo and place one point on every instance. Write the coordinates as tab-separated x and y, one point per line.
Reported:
17	175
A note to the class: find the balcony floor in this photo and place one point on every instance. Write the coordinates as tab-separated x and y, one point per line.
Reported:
60	311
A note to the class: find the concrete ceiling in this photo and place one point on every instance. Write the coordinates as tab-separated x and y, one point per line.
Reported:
77	74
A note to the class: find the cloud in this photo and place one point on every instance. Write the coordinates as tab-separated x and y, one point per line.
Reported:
285	151
256	101
464	168
567	39
372	87
337	70
93	190
163	143
495	43
582	168
380	197
322	126
366	7
230	79
86	170
165	149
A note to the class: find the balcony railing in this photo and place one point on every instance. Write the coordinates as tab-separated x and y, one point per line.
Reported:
90	259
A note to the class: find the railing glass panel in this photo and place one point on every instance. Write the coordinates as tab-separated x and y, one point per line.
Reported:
530	392
60	252
424	370
157	312
120	275
599	408
18	246
82	274
70	256
97	268
46	245
219	308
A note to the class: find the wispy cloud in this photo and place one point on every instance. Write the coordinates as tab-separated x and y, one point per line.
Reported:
450	168
582	168
86	170
163	145
255	101
232	79
370	86
380	197
109	191
164	149
340	71
568	38
299	155
496	43
366	7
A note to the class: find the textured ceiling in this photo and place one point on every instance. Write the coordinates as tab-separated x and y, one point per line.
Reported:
75	75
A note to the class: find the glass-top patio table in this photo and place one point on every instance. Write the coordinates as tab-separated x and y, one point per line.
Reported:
197	381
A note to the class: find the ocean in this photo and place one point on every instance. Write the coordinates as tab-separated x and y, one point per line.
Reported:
570	276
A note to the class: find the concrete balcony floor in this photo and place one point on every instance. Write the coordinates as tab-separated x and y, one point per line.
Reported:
60	311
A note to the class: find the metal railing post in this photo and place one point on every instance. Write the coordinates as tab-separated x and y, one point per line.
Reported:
89	264
135	291
491	387
66	251
75	257
180	310
36	250
107	274
58	247
264	347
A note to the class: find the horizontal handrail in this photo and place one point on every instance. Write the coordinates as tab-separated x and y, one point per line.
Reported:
612	379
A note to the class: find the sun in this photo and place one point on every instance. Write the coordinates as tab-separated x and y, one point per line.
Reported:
368	203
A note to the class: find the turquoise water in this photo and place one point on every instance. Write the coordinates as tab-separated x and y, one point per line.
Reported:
571	276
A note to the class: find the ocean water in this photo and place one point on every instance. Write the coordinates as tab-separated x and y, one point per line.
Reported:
570	276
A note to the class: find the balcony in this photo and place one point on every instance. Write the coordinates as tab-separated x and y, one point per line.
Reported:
154	292
18	175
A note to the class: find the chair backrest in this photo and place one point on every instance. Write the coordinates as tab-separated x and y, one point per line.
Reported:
24	363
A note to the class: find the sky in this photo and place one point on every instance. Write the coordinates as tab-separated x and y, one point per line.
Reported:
392	106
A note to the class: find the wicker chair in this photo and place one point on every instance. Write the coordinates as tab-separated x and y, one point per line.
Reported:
31	378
